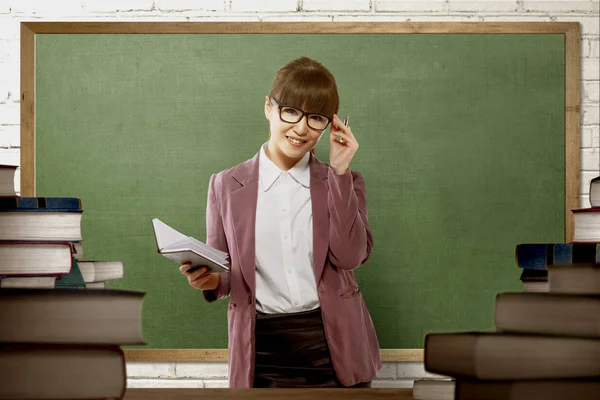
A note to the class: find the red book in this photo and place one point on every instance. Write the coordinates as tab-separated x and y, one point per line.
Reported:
35	258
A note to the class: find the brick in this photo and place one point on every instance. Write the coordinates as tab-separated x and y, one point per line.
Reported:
404	18
201	370
10	156
186	5
483	6
554	6
216	384
296	18
591	91
164	383
584	180
10	113
589	24
590	114
225	18
117	5
336	5
590	69
591	48
9	82
590	136
264	6
10	52
150	369
388	371
40	7
392	384
590	159
10	28
410	6
10	136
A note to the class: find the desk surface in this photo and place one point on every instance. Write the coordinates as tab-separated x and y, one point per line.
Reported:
288	394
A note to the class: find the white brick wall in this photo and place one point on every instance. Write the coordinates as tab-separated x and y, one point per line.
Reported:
12	12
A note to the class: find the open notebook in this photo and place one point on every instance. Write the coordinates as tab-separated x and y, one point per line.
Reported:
182	249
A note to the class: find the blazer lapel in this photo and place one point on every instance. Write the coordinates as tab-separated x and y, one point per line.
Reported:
318	197
243	213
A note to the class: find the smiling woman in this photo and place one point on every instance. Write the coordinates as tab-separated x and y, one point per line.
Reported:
295	307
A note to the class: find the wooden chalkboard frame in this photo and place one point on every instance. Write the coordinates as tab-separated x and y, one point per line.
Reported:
571	31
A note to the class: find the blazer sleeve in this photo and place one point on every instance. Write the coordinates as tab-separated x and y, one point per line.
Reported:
215	236
350	238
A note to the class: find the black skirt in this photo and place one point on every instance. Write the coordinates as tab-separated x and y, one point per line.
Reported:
291	352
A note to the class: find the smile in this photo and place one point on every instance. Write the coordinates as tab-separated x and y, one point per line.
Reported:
295	141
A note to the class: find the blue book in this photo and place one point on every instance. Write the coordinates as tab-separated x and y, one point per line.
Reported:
40	204
72	280
539	256
40	218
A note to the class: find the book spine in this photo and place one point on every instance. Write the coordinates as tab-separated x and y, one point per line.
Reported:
540	255
40	204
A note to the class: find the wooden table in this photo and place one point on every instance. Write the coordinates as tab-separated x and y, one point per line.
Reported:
286	394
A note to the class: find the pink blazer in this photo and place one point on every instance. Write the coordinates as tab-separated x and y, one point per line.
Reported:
342	241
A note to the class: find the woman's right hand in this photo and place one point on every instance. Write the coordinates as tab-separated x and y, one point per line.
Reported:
199	279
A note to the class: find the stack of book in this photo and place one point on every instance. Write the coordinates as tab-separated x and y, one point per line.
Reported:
56	342
65	344
546	345
41	242
534	258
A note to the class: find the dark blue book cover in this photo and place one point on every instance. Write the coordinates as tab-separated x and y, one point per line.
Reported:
40	204
72	280
540	255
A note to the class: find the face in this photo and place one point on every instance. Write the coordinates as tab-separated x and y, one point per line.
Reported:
289	141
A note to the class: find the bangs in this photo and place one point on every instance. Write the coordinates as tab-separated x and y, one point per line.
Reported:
311	90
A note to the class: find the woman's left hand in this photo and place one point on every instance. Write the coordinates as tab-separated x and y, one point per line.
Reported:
341	152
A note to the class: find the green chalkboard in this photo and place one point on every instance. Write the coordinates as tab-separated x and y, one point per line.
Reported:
462	146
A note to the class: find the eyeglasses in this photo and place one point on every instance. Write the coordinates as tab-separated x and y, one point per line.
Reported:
292	115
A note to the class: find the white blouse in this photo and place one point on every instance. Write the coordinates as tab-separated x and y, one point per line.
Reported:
285	281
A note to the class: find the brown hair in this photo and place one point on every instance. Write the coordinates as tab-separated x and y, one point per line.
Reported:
306	84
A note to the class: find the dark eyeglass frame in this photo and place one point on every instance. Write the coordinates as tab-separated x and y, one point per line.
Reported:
302	115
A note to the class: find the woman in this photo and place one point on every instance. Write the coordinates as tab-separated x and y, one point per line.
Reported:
295	229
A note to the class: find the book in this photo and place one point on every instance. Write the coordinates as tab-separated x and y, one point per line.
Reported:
535	280
71	316
40	218
595	192
534	275
100	271
7	180
27	282
33	371
35	258
503	356
548	313
433	389
72	280
576	278
95	285
77	250
541	255
536	286
586	224
183	249
559	389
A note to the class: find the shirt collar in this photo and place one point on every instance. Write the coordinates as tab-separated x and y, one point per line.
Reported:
268	172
